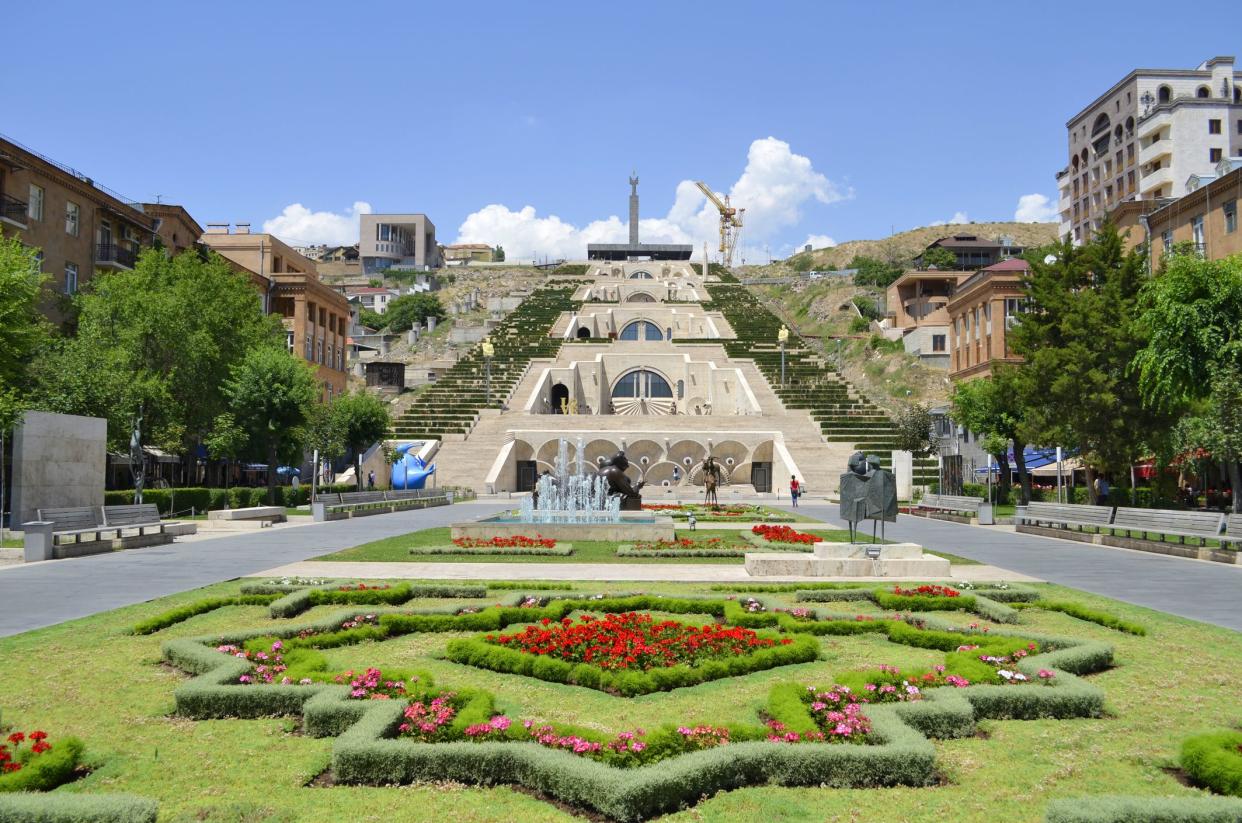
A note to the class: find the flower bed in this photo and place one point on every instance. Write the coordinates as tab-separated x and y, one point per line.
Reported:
682	547
517	541
784	534
930	590
556	550
30	762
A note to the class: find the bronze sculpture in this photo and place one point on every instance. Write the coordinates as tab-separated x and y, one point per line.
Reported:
619	483
868	492
711	480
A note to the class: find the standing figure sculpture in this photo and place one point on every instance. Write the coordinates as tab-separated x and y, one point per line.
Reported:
137	461
711	480
619	483
868	492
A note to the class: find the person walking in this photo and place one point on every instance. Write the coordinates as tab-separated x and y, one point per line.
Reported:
1101	491
371	480
795	490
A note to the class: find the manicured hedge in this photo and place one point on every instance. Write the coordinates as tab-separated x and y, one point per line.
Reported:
177	615
1214	760
300	600
484	655
977	603
559	550
1091	616
1119	809
626	551
203	499
77	808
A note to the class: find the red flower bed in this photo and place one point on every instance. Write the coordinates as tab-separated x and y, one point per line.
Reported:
363	587
15	759
775	533
518	541
662	507
927	591
633	641
680	543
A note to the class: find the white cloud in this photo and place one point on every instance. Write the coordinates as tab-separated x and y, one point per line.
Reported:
818	241
299	226
1035	208
773	188
958	218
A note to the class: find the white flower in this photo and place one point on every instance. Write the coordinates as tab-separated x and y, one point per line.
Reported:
1005	673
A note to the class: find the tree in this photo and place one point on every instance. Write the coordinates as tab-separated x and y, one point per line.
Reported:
323	434
226	441
1193	355
938	257
156	344
371	319
995	408
410	310
1078	336
872	272
271	395
913	425
361	419
23	329
498	254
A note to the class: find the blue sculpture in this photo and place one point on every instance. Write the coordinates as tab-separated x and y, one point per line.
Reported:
410	471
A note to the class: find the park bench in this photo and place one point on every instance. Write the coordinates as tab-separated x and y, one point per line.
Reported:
973	507
74	524
140	516
75	531
360	504
1233	531
1169	523
1065	515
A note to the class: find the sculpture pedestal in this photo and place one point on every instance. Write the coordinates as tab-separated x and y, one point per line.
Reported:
632	504
850	560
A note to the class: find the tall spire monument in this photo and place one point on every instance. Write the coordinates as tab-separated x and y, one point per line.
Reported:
634	209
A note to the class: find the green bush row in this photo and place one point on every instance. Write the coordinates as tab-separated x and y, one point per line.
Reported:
177	615
484	655
1091	615
300	600
202	499
77	808
626	551
1214	760
976	603
43	772
1120	809
559	550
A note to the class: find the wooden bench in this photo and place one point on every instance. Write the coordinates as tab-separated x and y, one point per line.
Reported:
1066	515
1168	522
1233	531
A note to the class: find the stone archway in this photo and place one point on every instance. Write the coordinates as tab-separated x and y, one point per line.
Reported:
560	392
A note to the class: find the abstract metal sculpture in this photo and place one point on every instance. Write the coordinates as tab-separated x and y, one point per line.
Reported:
868	492
711	480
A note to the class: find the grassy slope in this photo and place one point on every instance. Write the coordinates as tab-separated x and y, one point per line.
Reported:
397	549
908	244
88	678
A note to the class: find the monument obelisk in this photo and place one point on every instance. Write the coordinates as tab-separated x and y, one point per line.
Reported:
634	210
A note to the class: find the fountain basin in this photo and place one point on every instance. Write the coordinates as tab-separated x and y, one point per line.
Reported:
632	526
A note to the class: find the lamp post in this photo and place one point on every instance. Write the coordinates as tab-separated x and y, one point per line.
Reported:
488	351
783	337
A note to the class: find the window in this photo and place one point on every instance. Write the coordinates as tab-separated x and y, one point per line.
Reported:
1213	127
641	330
1203	92
71	278
641	275
641	383
1166	240
1231	217
73	218
34	209
1214	155
1240	127
1196	232
289	341
938	342
310	349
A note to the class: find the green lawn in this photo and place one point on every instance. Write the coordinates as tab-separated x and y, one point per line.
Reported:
397	549
90	678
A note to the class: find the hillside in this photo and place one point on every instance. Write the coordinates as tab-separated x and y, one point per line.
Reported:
905	245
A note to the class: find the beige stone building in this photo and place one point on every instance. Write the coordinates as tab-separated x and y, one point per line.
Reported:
917	312
1145	137
79	226
316	317
981	312
177	230
468	253
397	241
1206	217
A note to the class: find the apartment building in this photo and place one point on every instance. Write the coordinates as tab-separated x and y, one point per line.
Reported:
397	241
80	227
917	309
1206	217
374	298
176	229
1145	137
974	252
981	311
315	317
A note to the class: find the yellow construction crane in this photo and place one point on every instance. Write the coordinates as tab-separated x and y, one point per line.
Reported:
730	222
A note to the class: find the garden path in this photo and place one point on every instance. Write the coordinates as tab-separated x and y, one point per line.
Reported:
1198	589
42	594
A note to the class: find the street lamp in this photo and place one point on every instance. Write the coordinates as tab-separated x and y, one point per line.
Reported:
783	337
488	351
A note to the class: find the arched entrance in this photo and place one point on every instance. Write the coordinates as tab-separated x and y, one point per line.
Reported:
641	330
560	398
583	333
642	391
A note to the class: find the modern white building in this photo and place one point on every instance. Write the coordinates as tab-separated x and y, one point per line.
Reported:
397	241
1145	137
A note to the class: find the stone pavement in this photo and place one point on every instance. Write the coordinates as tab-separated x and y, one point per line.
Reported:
644	572
42	594
1198	589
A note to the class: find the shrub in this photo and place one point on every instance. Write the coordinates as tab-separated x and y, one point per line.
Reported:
1091	616
40	772
1117	809
177	615
1214	760
77	808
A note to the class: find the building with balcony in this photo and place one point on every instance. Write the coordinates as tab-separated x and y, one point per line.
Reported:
983	308
918	310
176	229
1145	137
397	241
974	252
1206	216
79	226
315	317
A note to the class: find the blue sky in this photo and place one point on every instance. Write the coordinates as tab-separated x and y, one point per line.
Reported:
883	115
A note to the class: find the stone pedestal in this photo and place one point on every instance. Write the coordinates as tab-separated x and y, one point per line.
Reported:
850	560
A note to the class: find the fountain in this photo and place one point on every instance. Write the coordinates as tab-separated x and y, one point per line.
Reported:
571	502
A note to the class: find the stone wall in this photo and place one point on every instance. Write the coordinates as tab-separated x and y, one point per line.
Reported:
59	460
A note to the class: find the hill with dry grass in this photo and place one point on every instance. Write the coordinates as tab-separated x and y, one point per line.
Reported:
904	246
